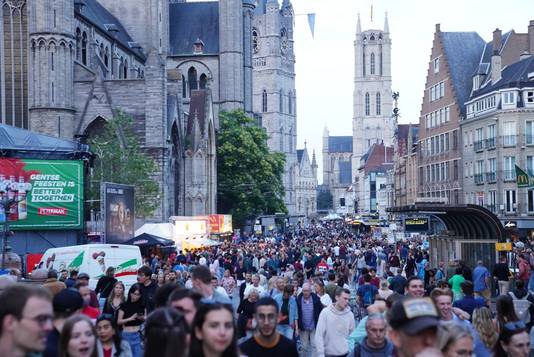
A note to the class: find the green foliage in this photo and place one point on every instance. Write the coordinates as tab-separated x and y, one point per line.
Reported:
121	160
324	200
249	176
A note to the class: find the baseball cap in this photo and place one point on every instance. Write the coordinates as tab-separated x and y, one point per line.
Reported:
67	300
83	276
413	315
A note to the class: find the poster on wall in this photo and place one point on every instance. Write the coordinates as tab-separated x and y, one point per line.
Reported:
119	214
44	194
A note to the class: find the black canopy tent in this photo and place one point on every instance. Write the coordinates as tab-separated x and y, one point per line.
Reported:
147	240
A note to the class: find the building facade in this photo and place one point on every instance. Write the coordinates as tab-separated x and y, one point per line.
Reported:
454	57
306	183
404	171
274	94
498	130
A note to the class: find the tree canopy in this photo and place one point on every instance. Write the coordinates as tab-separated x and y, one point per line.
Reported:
120	159
249	176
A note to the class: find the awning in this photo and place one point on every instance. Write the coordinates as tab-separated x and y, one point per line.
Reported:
146	239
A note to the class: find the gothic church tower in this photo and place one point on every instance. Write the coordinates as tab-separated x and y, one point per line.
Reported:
372	120
52	51
274	95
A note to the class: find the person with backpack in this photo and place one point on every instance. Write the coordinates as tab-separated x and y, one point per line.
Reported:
523	303
367	292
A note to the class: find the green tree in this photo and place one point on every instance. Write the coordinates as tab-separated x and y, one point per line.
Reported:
324	200
120	159
249	177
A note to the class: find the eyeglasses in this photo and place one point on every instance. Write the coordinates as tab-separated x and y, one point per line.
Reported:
41	320
515	325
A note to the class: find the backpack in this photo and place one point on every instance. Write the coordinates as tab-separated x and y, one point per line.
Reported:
522	307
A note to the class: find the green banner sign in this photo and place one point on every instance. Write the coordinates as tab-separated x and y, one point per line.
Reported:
522	178
42	194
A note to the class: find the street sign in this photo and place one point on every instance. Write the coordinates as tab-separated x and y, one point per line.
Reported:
510	224
503	247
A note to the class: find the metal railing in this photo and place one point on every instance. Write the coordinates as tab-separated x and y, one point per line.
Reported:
479	179
509	140
478	145
490	143
509	175
491	177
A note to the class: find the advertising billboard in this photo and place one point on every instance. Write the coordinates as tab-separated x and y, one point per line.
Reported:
119	212
419	224
44	194
220	223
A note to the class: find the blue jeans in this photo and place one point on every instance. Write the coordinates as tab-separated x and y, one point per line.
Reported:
101	303
531	282
134	340
286	331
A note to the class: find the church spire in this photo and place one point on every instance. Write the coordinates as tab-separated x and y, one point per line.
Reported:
314	161
386	24
358	25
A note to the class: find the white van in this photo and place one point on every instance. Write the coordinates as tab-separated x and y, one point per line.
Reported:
94	259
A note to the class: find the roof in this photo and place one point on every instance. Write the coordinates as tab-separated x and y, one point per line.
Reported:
376	160
515	75
340	144
22	140
345	172
100	17
463	51
300	154
190	21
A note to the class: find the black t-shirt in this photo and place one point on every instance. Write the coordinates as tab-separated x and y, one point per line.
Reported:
52	343
148	293
104	286
501	271
130	309
284	348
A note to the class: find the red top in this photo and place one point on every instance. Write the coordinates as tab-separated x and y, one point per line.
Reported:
107	353
91	312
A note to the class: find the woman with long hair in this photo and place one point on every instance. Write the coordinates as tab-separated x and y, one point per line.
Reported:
166	334
131	316
245	312
513	340
78	338
486	327
455	339
115	299
505	311
109	341
214	333
321	292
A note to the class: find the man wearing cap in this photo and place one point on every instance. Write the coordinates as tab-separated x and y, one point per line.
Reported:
66	303
84	277
413	323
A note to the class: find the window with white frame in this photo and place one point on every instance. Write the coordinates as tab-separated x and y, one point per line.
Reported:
529	97
492	201
508	97
529	132
436	65
530	165
509	168
492	165
509	133
509	201
530	201
367	104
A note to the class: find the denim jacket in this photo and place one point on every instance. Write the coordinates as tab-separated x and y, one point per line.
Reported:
293	314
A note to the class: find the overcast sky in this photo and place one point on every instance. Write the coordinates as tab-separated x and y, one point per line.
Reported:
324	67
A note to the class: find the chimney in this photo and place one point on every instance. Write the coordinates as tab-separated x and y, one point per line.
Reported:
438	28
531	37
496	58
497	40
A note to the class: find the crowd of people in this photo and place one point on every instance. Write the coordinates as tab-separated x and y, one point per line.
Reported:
323	290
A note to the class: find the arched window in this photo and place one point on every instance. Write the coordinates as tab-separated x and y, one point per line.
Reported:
372	66
378	104
121	67
101	51
78	43
184	87
281	139
264	101
255	41
290	103
367	104
203	81
192	79
84	48
125	69
281	102
106	57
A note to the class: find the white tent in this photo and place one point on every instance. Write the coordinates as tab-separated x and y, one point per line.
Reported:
331	217
163	230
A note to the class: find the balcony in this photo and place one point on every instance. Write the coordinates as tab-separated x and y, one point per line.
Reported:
509	175
478	145
491	177
529	139
490	143
479	179
509	140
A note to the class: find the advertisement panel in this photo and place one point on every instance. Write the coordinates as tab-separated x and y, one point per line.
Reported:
45	194
119	212
419	224
220	223
191	227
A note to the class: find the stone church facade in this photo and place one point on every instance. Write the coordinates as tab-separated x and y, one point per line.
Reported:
68	66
